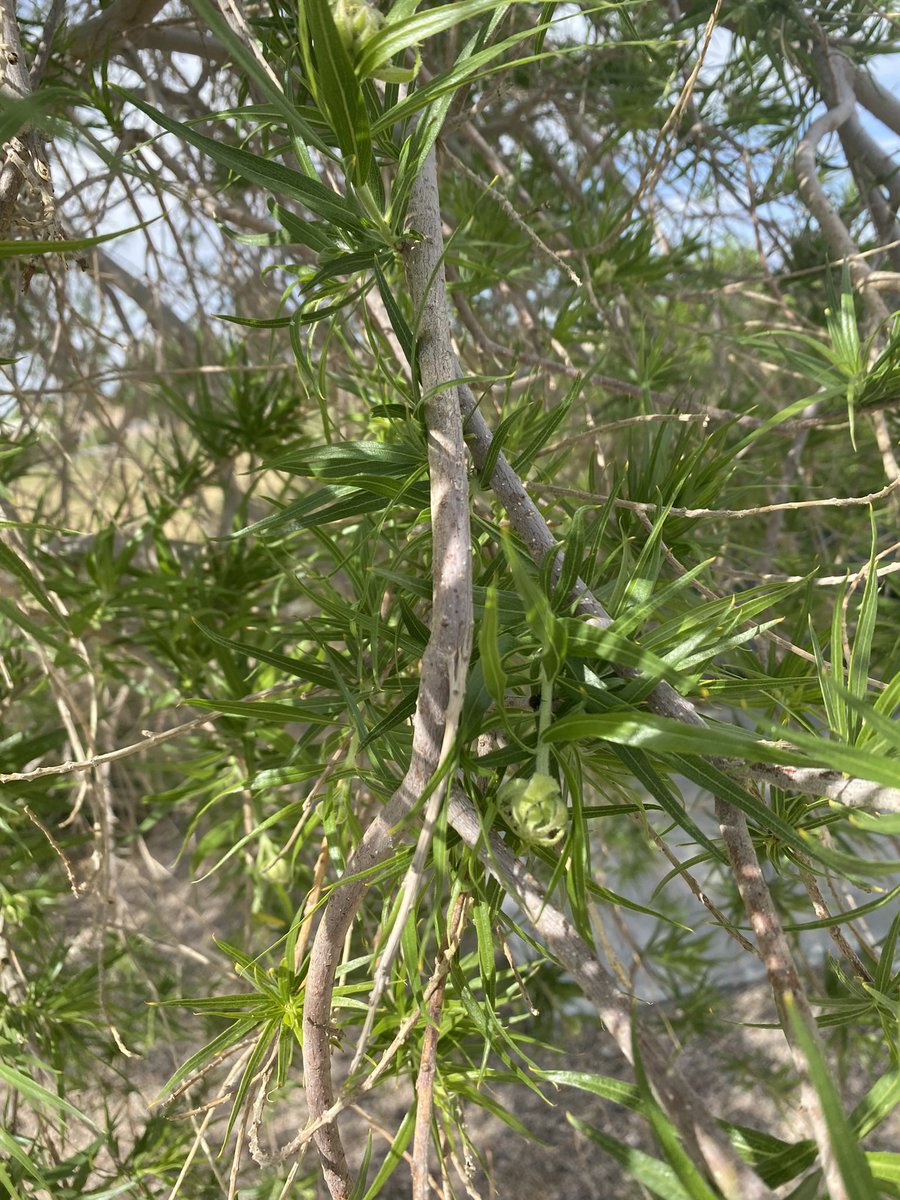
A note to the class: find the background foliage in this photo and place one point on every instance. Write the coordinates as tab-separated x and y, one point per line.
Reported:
672	256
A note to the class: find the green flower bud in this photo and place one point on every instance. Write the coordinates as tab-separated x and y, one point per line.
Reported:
356	21
534	809
273	868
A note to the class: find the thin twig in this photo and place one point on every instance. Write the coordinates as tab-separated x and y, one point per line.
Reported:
351	1095
416	871
697	891
784	978
835	232
200	1134
428	1059
820	908
42	54
390	1139
704	1139
658	159
731	514
312	901
67	866
528	521
90	762
832	580
509	211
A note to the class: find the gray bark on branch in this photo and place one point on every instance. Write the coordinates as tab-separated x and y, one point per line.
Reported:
840	243
15	84
445	659
119	23
880	103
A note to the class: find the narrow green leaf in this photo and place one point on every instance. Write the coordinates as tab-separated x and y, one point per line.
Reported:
483	921
400	35
268	1031
693	1182
337	504
722	785
842	728
338	92
861	651
501	433
608	645
399	324
544	20
12	1192
488	649
425	133
712	617
399	715
885	824
718	647
303	233
359	1188
468	66
605	1086
484	1100
266	85
315	711
542	430
885	1167
834	709
302	668
11	1147
664	735
641	767
255	322
776	1162
645	572
288	812
544	625
862	762
394	1155
844	918
17	115
342	463
11	562
40	1097
854	866
885	707
275	177
885	970
573	554
646	1170
21	249
851	1160
878	1104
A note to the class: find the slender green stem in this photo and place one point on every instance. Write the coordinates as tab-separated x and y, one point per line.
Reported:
364	192
545	712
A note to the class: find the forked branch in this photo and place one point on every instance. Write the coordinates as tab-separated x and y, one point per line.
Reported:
445	660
